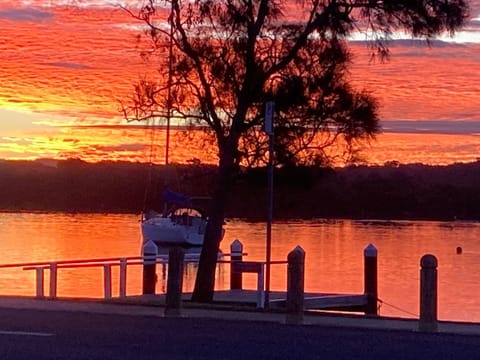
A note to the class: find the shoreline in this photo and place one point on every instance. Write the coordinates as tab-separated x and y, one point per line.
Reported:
314	220
400	192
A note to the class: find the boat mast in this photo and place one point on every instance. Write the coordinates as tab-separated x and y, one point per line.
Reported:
169	83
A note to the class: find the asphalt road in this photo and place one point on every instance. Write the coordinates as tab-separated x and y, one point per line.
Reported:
37	335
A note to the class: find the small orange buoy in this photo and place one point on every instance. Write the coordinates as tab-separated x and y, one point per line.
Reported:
459	250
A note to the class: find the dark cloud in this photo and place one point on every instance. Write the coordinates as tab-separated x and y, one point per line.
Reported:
412	43
69	65
121	147
431	127
69	140
25	14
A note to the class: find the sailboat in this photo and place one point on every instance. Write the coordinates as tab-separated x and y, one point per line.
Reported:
182	221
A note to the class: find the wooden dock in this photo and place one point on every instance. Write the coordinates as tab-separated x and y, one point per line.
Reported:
293	301
278	299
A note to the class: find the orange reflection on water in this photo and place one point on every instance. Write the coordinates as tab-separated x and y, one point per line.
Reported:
334	260
334	257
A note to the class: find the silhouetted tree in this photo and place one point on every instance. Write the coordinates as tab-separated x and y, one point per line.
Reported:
231	56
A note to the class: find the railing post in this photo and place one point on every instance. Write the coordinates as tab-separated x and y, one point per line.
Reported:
150	251
428	293
295	286
370	279
173	300
53	281
107	281
39	282
122	292
236	254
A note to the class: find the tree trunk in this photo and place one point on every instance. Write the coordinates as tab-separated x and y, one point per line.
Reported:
205	280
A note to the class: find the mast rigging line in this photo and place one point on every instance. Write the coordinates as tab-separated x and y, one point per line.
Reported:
153	137
169	83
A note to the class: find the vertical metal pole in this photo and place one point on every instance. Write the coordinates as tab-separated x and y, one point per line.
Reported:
269	222
269	116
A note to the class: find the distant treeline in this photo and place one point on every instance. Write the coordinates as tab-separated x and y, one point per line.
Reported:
388	192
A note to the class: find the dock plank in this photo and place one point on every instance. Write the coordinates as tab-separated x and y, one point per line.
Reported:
313	301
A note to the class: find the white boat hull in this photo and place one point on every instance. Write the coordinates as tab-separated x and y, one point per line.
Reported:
188	231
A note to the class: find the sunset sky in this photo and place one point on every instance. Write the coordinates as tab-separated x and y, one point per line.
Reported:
64	71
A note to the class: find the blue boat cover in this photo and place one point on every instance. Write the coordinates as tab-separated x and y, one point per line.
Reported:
170	196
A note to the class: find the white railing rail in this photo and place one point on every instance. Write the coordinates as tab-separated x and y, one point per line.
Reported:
53	268
107	264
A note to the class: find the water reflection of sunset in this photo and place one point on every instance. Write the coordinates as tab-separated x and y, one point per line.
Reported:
74	65
334	257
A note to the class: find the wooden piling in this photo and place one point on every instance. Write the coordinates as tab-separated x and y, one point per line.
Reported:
53	281
122	290
39	282
370	279
236	254
149	251
428	293
173	300
107	281
295	286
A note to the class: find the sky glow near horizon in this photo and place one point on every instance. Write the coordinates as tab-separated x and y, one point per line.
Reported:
67	67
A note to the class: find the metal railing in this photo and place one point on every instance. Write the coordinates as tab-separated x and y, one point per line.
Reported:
237	267
107	263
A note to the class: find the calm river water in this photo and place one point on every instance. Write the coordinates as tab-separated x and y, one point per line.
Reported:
334	257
